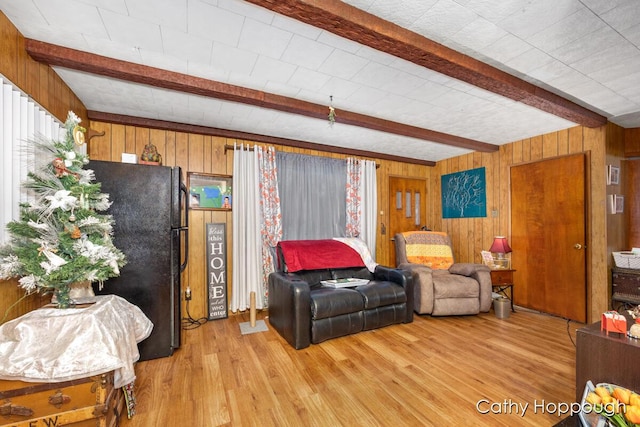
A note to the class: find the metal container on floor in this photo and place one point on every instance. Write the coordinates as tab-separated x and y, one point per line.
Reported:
502	307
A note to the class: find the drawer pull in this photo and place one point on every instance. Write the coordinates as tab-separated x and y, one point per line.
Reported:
8	409
58	399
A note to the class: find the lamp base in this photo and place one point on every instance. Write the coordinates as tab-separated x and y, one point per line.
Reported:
501	263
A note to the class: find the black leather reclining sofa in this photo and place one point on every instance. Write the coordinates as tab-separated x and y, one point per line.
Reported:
305	311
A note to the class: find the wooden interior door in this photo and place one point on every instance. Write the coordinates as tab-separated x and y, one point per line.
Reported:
633	190
548	236
407	208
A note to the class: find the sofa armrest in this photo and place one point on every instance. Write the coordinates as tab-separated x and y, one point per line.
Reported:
468	269
401	277
290	308
423	286
482	274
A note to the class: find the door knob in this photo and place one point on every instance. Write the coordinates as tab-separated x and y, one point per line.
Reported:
577	246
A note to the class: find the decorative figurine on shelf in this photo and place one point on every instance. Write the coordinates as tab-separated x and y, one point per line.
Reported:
150	155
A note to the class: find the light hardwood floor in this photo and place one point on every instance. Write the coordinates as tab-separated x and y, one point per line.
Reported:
431	372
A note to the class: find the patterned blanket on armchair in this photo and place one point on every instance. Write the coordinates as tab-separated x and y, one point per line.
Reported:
430	248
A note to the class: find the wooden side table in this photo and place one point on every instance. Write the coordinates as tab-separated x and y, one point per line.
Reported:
501	281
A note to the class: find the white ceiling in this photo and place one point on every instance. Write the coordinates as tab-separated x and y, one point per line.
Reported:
584	50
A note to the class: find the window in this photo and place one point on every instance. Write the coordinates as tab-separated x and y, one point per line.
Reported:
312	196
21	122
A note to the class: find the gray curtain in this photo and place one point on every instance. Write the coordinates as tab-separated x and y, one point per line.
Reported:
312	196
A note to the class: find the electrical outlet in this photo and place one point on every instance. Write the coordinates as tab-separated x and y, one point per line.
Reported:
187	294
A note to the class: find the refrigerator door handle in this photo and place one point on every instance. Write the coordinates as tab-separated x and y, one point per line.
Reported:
185	229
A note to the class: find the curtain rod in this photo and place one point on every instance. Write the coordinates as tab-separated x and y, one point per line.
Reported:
231	147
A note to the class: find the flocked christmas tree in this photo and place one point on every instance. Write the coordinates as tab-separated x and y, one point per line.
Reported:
60	238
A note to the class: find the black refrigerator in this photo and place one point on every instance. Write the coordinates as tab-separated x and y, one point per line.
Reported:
149	208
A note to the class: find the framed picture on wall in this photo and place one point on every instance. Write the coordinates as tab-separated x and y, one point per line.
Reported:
619	203
209	191
464	194
613	175
487	259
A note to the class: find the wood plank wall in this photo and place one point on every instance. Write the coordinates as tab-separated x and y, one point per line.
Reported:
206	154
470	236
197	153
46	88
38	80
617	224
632	142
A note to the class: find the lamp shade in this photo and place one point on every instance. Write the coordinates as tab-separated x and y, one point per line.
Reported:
500	245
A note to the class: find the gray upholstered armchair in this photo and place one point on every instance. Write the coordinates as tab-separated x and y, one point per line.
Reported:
441	286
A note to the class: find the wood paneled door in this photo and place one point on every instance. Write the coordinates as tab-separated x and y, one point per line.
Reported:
407	207
633	190
548	235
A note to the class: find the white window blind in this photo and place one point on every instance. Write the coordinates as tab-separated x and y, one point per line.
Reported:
21	122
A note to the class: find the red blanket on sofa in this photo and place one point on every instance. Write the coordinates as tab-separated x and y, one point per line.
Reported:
318	254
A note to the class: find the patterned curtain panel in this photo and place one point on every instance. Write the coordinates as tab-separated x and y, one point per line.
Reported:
368	204
270	216
354	212
362	202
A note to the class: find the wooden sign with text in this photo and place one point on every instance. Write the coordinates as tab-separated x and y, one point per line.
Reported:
217	271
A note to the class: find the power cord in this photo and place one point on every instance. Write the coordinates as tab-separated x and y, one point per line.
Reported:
569	331
189	322
562	317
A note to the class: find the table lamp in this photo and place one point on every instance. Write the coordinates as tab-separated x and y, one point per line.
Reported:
500	248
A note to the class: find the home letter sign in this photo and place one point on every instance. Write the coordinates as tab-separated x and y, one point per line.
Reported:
217	271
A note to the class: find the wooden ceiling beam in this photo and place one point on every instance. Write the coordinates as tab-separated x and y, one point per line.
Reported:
101	65
245	136
357	25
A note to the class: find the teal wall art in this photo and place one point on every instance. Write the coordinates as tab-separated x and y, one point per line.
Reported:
464	194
